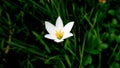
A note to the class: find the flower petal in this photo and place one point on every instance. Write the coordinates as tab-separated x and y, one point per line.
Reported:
49	27
58	41
66	35
49	36
68	27
59	23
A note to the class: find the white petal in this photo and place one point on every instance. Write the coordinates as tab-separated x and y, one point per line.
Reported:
66	35
59	23
58	41
49	36
68	27
49	27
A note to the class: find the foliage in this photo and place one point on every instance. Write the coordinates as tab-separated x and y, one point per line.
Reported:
95	44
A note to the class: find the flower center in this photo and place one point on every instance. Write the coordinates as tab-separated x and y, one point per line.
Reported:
59	34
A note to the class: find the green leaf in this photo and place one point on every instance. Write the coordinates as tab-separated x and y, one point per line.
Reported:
31	50
47	61
59	64
41	41
114	22
117	55
87	60
111	12
118	39
102	46
92	44
115	65
104	36
30	65
93	51
112	37
68	60
67	46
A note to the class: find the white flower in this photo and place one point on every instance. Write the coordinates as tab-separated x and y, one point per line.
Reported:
58	32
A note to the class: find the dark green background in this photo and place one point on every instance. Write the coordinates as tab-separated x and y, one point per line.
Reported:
95	44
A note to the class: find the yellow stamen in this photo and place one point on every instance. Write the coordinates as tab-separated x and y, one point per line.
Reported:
59	34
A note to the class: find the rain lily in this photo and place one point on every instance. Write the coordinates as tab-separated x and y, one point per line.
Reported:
58	32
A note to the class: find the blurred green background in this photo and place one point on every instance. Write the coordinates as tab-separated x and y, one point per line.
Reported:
95	44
